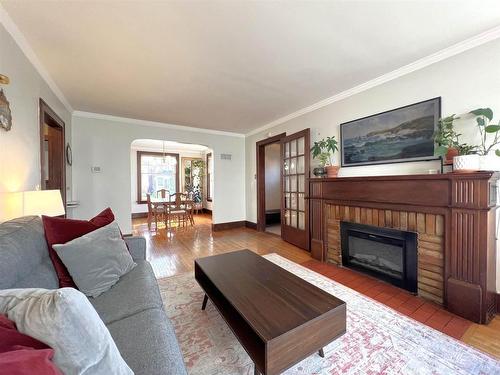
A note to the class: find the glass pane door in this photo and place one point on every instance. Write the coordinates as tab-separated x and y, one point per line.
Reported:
295	172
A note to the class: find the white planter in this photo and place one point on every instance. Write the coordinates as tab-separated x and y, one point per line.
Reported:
466	163
489	163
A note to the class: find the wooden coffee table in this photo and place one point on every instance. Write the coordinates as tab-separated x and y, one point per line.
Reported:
278	318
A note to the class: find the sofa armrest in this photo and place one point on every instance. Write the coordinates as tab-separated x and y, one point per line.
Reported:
137	247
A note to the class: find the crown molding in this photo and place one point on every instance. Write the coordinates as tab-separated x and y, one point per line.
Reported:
23	44
127	120
443	54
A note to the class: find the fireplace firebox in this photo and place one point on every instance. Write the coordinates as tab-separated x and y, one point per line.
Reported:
388	254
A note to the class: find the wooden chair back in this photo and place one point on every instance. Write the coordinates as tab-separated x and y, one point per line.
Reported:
163	193
179	199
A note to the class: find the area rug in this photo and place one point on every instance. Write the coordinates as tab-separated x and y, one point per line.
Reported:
378	340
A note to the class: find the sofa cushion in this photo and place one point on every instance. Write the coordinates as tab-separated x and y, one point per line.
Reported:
60	230
24	258
134	292
65	321
27	361
21	354
148	344
96	260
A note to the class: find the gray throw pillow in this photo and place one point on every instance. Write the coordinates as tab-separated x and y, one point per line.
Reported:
97	260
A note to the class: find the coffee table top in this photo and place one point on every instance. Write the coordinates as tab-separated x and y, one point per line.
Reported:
272	300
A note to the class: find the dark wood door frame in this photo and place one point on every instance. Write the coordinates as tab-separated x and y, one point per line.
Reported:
261	178
47	116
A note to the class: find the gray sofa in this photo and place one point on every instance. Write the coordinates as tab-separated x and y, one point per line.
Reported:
132	309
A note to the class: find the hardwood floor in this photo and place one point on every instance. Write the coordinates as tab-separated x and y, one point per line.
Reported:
174	252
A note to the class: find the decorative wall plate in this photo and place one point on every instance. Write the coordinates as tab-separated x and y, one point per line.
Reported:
5	114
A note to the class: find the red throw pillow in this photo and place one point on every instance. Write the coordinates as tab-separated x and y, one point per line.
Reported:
21	354
59	231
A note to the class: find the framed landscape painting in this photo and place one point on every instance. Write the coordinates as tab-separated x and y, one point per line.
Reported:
399	135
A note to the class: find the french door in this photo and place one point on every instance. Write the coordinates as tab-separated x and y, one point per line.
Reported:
295	158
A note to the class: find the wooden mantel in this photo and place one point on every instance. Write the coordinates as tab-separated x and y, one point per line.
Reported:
467	204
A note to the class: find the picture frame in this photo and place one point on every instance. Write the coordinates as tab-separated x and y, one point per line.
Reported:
5	113
400	135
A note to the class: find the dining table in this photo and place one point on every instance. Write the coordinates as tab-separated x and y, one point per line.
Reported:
166	202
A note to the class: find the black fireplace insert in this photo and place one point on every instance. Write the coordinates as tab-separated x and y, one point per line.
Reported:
388	254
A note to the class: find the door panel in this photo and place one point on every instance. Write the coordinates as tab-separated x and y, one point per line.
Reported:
295	171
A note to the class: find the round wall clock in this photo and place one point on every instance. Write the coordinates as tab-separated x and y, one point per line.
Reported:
69	154
5	114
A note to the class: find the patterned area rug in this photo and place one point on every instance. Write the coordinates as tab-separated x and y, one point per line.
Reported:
379	340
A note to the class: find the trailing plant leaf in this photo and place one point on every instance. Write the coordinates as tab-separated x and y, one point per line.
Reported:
486	112
492	128
441	150
497	152
480	121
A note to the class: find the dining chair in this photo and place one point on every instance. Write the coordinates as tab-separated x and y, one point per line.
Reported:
153	212
179	209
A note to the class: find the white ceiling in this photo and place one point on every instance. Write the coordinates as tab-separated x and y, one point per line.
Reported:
156	144
232	65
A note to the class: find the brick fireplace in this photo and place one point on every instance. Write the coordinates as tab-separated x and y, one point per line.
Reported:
430	243
452	214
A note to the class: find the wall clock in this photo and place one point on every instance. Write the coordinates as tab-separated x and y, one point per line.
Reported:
5	114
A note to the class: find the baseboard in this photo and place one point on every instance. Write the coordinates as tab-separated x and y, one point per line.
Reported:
498	303
250	225
273	217
207	211
228	225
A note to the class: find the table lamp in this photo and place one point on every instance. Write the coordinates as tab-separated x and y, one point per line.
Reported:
25	203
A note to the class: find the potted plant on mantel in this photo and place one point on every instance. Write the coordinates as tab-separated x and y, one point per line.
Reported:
482	157
447	139
324	150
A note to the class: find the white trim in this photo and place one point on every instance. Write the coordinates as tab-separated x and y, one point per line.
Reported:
23	44
443	54
127	120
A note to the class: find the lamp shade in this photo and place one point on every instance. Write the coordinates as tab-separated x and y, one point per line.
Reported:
43	202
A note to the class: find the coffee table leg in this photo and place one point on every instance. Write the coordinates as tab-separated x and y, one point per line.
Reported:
321	353
205	299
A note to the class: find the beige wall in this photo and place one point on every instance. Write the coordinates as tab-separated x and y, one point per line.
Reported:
20	147
273	187
464	82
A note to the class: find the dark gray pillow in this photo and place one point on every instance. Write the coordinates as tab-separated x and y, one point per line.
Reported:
96	260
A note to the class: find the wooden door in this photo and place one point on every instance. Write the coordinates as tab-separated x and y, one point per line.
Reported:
54	159
295	158
52	151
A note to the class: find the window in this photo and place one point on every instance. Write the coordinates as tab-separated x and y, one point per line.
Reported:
192	180
156	171
210	179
